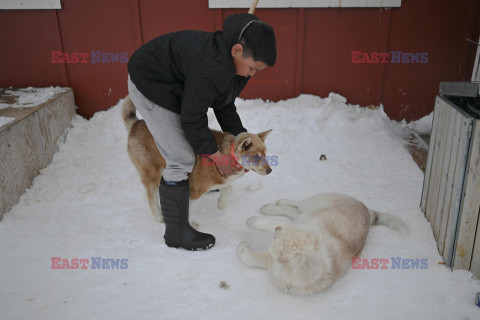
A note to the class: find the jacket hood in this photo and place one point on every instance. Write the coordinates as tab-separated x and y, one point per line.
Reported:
233	25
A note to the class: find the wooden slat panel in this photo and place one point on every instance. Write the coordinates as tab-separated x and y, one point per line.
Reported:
434	143
450	182
440	142
475	265
457	190
29	145
447	158
470	205
300	46
431	152
440	159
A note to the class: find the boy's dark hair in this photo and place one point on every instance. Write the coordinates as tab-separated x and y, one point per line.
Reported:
258	41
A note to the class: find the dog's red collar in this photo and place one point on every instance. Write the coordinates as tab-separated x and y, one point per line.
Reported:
232	154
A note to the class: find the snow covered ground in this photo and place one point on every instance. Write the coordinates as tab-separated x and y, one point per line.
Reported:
5	120
27	98
89	202
31	97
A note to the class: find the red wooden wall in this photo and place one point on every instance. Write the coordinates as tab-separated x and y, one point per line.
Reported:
314	48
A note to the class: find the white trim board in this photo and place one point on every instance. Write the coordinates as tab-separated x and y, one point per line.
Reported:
30	4
215	4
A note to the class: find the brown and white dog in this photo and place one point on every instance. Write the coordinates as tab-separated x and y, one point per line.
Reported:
311	252
205	176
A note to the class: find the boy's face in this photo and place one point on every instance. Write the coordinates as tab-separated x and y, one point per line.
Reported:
245	66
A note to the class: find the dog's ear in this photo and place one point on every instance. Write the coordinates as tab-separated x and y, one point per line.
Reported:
264	135
245	144
277	232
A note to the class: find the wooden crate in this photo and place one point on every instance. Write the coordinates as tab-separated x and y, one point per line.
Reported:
28	143
451	188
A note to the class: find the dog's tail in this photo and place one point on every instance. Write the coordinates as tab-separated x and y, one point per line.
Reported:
129	112
389	220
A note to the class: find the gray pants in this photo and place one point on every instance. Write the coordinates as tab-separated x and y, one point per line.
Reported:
164	125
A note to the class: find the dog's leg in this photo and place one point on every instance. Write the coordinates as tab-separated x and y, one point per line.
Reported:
287	202
266	224
280	210
250	258
192	206
224	196
154	201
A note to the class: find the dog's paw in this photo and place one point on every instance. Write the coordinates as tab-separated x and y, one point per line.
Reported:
287	202
254	186
269	209
252	222
194	225
244	251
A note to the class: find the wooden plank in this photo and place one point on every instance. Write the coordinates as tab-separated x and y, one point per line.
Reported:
440	159
299	52
213	4
450	182
431	152
470	205
137	26
447	158
217	19
58	46
475	265
440	143
435	146
383	37
460	166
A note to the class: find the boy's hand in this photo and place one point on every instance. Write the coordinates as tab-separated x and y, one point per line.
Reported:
226	165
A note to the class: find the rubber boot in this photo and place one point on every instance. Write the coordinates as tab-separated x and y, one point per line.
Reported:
174	199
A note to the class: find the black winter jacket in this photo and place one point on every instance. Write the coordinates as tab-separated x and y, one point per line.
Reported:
189	71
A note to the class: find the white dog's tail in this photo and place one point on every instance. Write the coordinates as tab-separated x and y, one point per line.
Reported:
388	220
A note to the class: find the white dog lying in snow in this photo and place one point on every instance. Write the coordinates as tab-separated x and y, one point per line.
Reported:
311	252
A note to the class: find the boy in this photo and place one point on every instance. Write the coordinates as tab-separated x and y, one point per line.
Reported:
173	80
